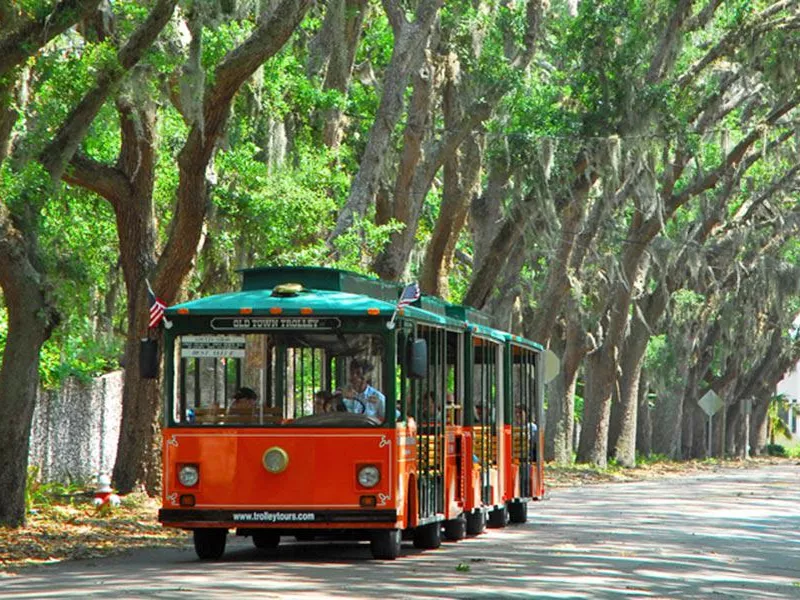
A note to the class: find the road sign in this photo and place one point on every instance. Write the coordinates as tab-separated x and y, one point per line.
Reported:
710	403
552	365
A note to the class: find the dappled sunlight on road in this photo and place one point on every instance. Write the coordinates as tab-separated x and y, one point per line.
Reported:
733	534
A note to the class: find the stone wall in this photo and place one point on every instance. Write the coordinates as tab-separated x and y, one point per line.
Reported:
76	428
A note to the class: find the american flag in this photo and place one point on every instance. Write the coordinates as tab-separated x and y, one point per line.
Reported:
157	307
410	294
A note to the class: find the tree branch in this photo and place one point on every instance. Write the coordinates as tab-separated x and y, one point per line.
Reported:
666	44
395	14
186	228
733	157
29	36
63	146
730	41
104	180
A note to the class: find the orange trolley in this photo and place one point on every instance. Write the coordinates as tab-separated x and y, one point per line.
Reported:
306	405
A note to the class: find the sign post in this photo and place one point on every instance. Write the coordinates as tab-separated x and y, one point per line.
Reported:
748	410
710	403
552	365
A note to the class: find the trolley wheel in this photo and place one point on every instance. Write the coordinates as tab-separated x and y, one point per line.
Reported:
266	539
428	537
498	518
210	543
455	529
385	544
517	511
476	523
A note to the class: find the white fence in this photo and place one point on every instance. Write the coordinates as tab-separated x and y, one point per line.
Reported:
76	428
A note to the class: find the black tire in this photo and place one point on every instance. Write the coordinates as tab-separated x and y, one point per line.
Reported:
210	543
455	529
266	539
428	537
385	544
476	523
497	518
517	511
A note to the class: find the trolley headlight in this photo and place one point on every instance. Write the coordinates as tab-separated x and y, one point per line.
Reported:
189	475
275	460
369	476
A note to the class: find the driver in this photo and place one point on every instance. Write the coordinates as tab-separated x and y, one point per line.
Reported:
360	397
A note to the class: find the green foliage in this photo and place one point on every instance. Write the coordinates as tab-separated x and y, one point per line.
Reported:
775	450
276	217
40	495
70	354
221	39
361	241
777	427
652	459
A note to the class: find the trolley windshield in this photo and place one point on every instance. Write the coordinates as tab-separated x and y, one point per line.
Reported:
279	379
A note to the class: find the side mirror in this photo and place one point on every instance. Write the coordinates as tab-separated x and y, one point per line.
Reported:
148	359
417	363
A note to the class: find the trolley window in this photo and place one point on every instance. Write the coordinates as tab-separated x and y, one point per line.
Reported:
279	379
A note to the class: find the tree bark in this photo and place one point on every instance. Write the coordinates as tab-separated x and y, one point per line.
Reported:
60	151
137	450
486	211
346	17
461	179
561	409
410	40
31	319
622	437
26	37
403	205
644	420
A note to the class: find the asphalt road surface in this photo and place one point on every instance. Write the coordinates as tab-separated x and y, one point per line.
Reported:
730	534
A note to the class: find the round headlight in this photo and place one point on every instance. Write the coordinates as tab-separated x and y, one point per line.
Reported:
275	460
369	476
189	475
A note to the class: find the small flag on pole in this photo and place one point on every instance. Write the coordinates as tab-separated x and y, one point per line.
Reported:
157	307
409	295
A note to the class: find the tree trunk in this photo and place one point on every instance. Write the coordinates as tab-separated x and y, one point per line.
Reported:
137	239
555	426
129	189
502	306
405	204
561	423
624	415
410	40
486	211
346	18
644	420
31	318
667	421
599	378
758	426
461	180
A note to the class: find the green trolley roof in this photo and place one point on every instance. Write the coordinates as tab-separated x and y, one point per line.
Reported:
322	291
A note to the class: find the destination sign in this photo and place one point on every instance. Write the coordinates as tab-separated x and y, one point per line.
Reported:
212	346
272	323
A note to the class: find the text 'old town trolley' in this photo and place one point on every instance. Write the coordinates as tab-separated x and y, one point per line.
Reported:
300	406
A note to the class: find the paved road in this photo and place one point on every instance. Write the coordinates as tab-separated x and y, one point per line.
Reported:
731	534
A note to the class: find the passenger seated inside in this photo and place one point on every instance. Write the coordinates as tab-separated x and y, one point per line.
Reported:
245	403
359	396
326	402
521	416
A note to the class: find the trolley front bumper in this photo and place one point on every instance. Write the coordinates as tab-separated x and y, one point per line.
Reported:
291	518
